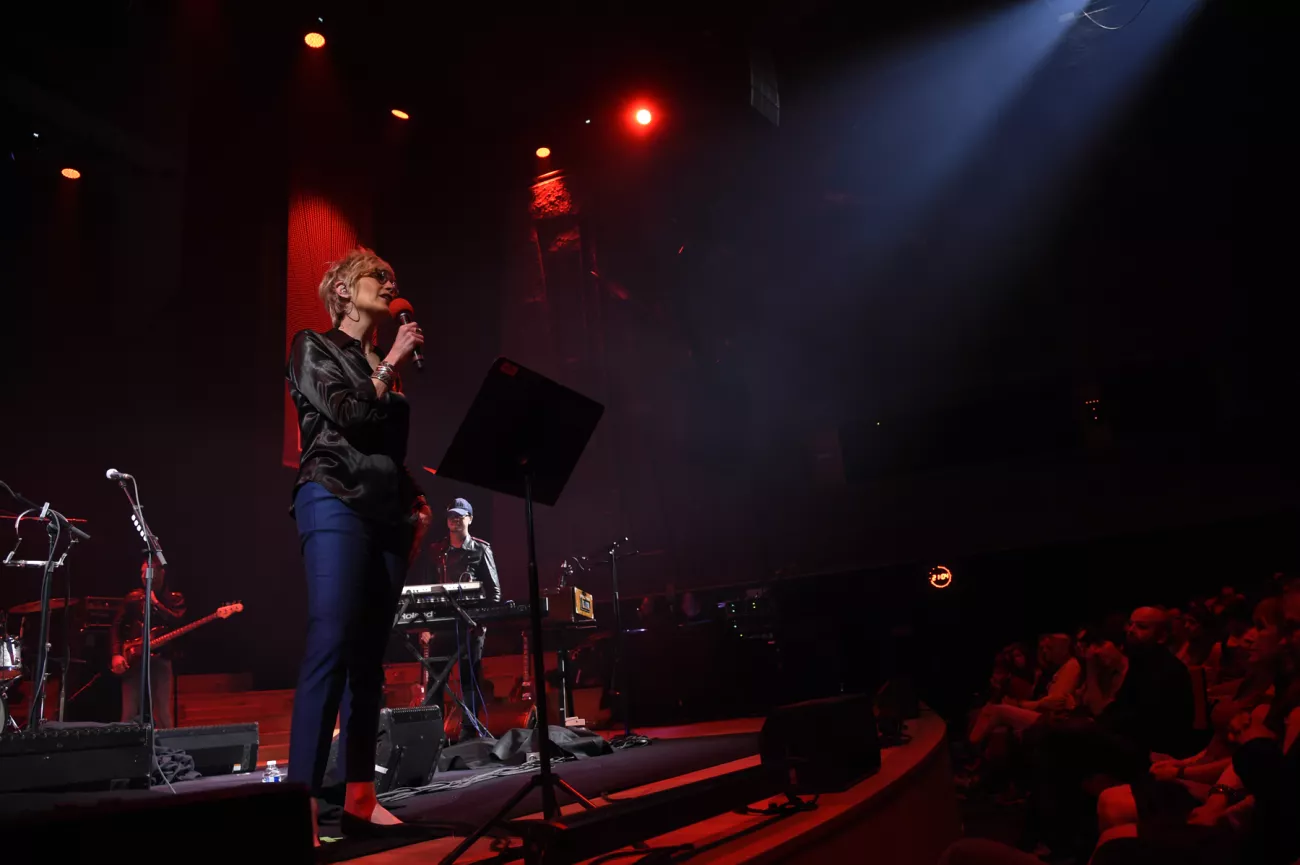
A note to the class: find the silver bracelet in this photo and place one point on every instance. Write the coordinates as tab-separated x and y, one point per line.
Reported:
384	373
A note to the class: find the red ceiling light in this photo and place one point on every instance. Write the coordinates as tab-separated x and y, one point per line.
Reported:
314	40
71	173
643	116
400	114
543	152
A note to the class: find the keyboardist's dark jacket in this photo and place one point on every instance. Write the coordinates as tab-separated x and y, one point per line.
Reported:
471	562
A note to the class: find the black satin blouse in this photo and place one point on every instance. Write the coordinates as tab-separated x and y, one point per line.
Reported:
353	442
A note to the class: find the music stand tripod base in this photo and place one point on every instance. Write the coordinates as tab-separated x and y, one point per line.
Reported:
522	437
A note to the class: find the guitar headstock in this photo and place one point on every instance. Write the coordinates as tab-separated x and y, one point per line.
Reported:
229	610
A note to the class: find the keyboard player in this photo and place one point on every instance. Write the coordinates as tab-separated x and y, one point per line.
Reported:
462	558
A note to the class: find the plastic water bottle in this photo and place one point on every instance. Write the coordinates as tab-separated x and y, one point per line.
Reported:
272	774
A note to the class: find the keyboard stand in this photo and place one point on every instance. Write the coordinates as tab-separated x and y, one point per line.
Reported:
438	679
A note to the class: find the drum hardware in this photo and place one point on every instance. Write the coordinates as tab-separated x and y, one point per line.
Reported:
35	606
7	721
11	670
11	658
56	526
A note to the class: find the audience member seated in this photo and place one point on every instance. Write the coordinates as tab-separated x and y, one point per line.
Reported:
1059	677
1201	643
1116	720
1156	712
1232	655
1012	675
1202	803
1136	699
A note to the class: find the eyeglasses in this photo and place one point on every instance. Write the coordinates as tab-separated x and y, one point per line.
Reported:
382	275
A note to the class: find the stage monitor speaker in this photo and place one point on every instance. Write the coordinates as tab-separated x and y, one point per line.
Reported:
821	746
406	751
896	704
217	750
75	756
235	823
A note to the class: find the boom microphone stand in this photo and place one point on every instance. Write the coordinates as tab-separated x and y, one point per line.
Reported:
154	551
620	656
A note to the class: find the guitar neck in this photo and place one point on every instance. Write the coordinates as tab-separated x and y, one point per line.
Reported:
181	631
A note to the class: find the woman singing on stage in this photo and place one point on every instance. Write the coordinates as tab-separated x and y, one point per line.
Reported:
360	518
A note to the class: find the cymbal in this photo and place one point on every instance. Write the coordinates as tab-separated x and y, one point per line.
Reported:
9	515
35	606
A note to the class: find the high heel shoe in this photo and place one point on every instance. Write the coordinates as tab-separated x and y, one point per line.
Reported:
358	827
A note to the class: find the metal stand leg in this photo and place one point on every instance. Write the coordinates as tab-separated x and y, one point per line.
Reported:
546	781
439	680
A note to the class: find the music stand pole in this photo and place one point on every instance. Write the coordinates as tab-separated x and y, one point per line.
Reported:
522	437
546	779
541	733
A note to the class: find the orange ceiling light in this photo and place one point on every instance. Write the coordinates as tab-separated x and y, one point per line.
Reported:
400	114
543	152
314	40
71	173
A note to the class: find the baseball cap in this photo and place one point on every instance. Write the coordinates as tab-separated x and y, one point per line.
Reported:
462	507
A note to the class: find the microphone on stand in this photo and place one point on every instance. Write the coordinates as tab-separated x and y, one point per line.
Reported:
115	475
402	308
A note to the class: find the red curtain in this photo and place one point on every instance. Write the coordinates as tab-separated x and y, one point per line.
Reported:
319	233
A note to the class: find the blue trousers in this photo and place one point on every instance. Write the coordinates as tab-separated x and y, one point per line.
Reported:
355	572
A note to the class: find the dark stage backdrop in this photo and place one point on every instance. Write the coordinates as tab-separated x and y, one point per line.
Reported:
147	325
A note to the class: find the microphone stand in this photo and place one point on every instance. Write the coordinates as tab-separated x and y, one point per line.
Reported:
54	527
620	658
155	553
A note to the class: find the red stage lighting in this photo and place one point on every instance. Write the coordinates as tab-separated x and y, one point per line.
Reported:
400	114
643	116
543	152
71	173
314	40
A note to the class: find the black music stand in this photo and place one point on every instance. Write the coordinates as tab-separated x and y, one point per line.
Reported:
522	437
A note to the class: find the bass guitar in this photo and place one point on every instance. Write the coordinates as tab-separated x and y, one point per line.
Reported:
131	648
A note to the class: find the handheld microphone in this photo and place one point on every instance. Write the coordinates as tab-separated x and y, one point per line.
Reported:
402	308
115	475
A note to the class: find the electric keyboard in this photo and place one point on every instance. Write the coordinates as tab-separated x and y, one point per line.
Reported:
444	618
440	594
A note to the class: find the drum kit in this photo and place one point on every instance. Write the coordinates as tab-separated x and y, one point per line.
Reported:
12	669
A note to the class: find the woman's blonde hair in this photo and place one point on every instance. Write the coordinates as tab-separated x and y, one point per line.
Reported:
346	270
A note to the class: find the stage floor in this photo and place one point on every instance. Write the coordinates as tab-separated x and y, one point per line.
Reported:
673	752
906	813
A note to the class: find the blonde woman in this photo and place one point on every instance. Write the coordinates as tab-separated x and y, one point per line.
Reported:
360	517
